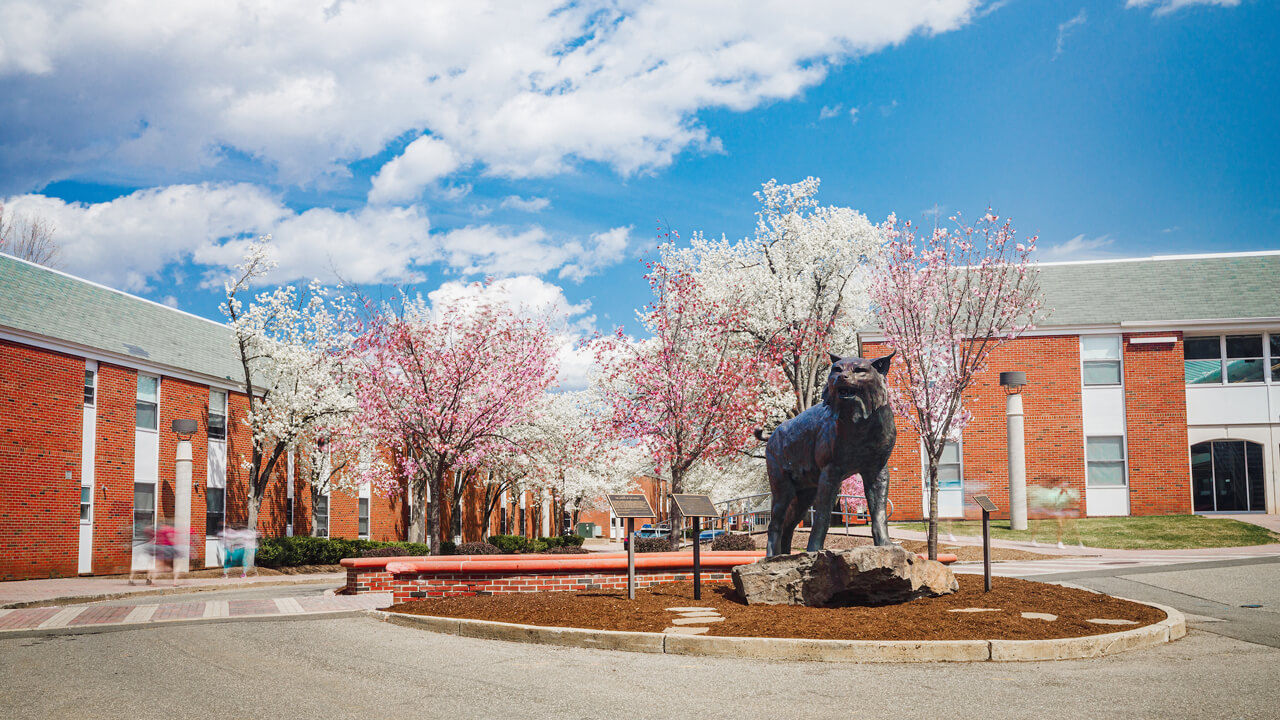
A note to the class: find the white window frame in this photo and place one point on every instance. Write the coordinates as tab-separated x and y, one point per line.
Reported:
210	492
86	518
156	402
90	387
217	412
1269	359
1118	361
363	518
323	532
1123	461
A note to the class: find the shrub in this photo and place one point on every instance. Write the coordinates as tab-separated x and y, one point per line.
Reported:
509	544
574	540
294	551
657	544
384	551
537	546
733	542
448	547
476	548
567	550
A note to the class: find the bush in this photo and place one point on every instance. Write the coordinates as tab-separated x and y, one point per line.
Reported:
657	544
385	551
567	550
509	544
294	551
476	548
574	540
733	542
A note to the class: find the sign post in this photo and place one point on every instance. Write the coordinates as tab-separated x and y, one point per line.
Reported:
631	507
988	507
696	507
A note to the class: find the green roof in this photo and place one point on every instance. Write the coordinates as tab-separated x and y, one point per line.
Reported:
55	305
1173	289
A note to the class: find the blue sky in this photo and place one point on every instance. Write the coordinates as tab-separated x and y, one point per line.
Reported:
413	145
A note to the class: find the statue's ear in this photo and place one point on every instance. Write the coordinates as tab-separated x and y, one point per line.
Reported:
882	364
834	358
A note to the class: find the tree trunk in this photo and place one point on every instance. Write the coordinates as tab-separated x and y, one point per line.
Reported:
315	516
933	507
251	526
677	520
435	532
417	509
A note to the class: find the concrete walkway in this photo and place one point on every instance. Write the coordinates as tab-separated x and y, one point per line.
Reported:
97	618
24	593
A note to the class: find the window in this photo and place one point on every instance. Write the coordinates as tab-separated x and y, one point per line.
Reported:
1105	460
949	468
288	512
217	415
90	387
1101	357
1227	476
144	511
1235	358
322	516
215	513
148	399
364	517
86	503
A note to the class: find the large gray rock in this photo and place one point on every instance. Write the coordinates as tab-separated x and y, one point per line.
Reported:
861	576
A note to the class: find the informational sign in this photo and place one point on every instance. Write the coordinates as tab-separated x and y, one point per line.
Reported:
631	506
985	503
695	506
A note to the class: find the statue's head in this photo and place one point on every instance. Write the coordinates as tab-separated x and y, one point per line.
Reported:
855	386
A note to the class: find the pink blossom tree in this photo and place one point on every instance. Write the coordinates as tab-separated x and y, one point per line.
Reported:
944	302
691	393
445	385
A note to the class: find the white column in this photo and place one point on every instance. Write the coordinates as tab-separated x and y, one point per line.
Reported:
182	505
1017	464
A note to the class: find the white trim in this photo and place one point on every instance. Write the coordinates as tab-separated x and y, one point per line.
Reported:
91	353
1153	340
1161	258
1204	325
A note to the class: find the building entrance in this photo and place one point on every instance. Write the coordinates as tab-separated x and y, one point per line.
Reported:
1227	476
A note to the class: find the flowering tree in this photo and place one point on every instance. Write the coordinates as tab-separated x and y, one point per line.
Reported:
445	385
690	394
944	302
289	346
800	283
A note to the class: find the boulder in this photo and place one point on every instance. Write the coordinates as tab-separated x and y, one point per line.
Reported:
861	576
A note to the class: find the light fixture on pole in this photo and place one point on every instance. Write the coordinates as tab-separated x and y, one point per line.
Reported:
184	429
1013	383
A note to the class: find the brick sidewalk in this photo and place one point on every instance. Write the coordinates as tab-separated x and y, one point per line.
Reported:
19	593
97	617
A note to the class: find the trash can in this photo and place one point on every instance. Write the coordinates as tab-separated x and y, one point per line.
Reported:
586	530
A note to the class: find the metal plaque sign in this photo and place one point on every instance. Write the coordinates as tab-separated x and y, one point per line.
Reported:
631	506
695	505
985	503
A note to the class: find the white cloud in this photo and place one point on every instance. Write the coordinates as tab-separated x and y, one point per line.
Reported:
829	111
423	162
503	251
1078	248
531	205
525	89
1164	7
1065	29
171	301
853	115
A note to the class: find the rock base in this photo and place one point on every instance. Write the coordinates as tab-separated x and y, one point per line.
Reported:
860	576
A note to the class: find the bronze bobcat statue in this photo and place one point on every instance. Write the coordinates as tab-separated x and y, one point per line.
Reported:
808	456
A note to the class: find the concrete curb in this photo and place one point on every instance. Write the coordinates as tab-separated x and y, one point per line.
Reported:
858	651
117	627
179	590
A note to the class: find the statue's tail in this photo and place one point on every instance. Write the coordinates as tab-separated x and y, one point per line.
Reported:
761	435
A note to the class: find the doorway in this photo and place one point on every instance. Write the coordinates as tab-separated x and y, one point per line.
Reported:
1227	476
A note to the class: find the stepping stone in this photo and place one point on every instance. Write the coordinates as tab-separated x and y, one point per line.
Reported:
692	621
1110	621
690	609
700	613
1040	616
685	630
970	610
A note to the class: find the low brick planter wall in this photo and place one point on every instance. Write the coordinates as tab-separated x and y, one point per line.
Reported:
414	578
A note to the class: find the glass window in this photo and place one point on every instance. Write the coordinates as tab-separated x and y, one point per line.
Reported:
322	516
288	511
1202	477
949	473
90	386
1101	356
144	511
215	511
86	503
217	415
148	397
1244	358
1275	357
364	517
1202	360
1105	459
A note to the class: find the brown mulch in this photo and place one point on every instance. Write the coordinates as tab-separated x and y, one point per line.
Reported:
924	619
964	553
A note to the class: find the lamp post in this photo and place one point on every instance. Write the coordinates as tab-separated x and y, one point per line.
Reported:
184	429
1013	383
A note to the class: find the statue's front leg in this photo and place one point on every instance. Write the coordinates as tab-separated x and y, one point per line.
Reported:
823	503
876	488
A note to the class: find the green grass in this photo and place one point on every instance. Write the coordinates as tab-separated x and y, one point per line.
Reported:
1166	532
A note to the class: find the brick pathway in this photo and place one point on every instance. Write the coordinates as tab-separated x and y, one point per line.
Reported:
99	616
1132	559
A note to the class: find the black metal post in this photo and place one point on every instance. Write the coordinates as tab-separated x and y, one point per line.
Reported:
697	558
986	550
631	559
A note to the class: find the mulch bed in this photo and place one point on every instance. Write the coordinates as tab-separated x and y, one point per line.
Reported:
924	619
963	553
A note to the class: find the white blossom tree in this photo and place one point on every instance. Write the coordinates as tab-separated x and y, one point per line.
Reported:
288	344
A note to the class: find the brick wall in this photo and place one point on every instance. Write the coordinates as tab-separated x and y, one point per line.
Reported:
413	586
41	418
1156	414
113	469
